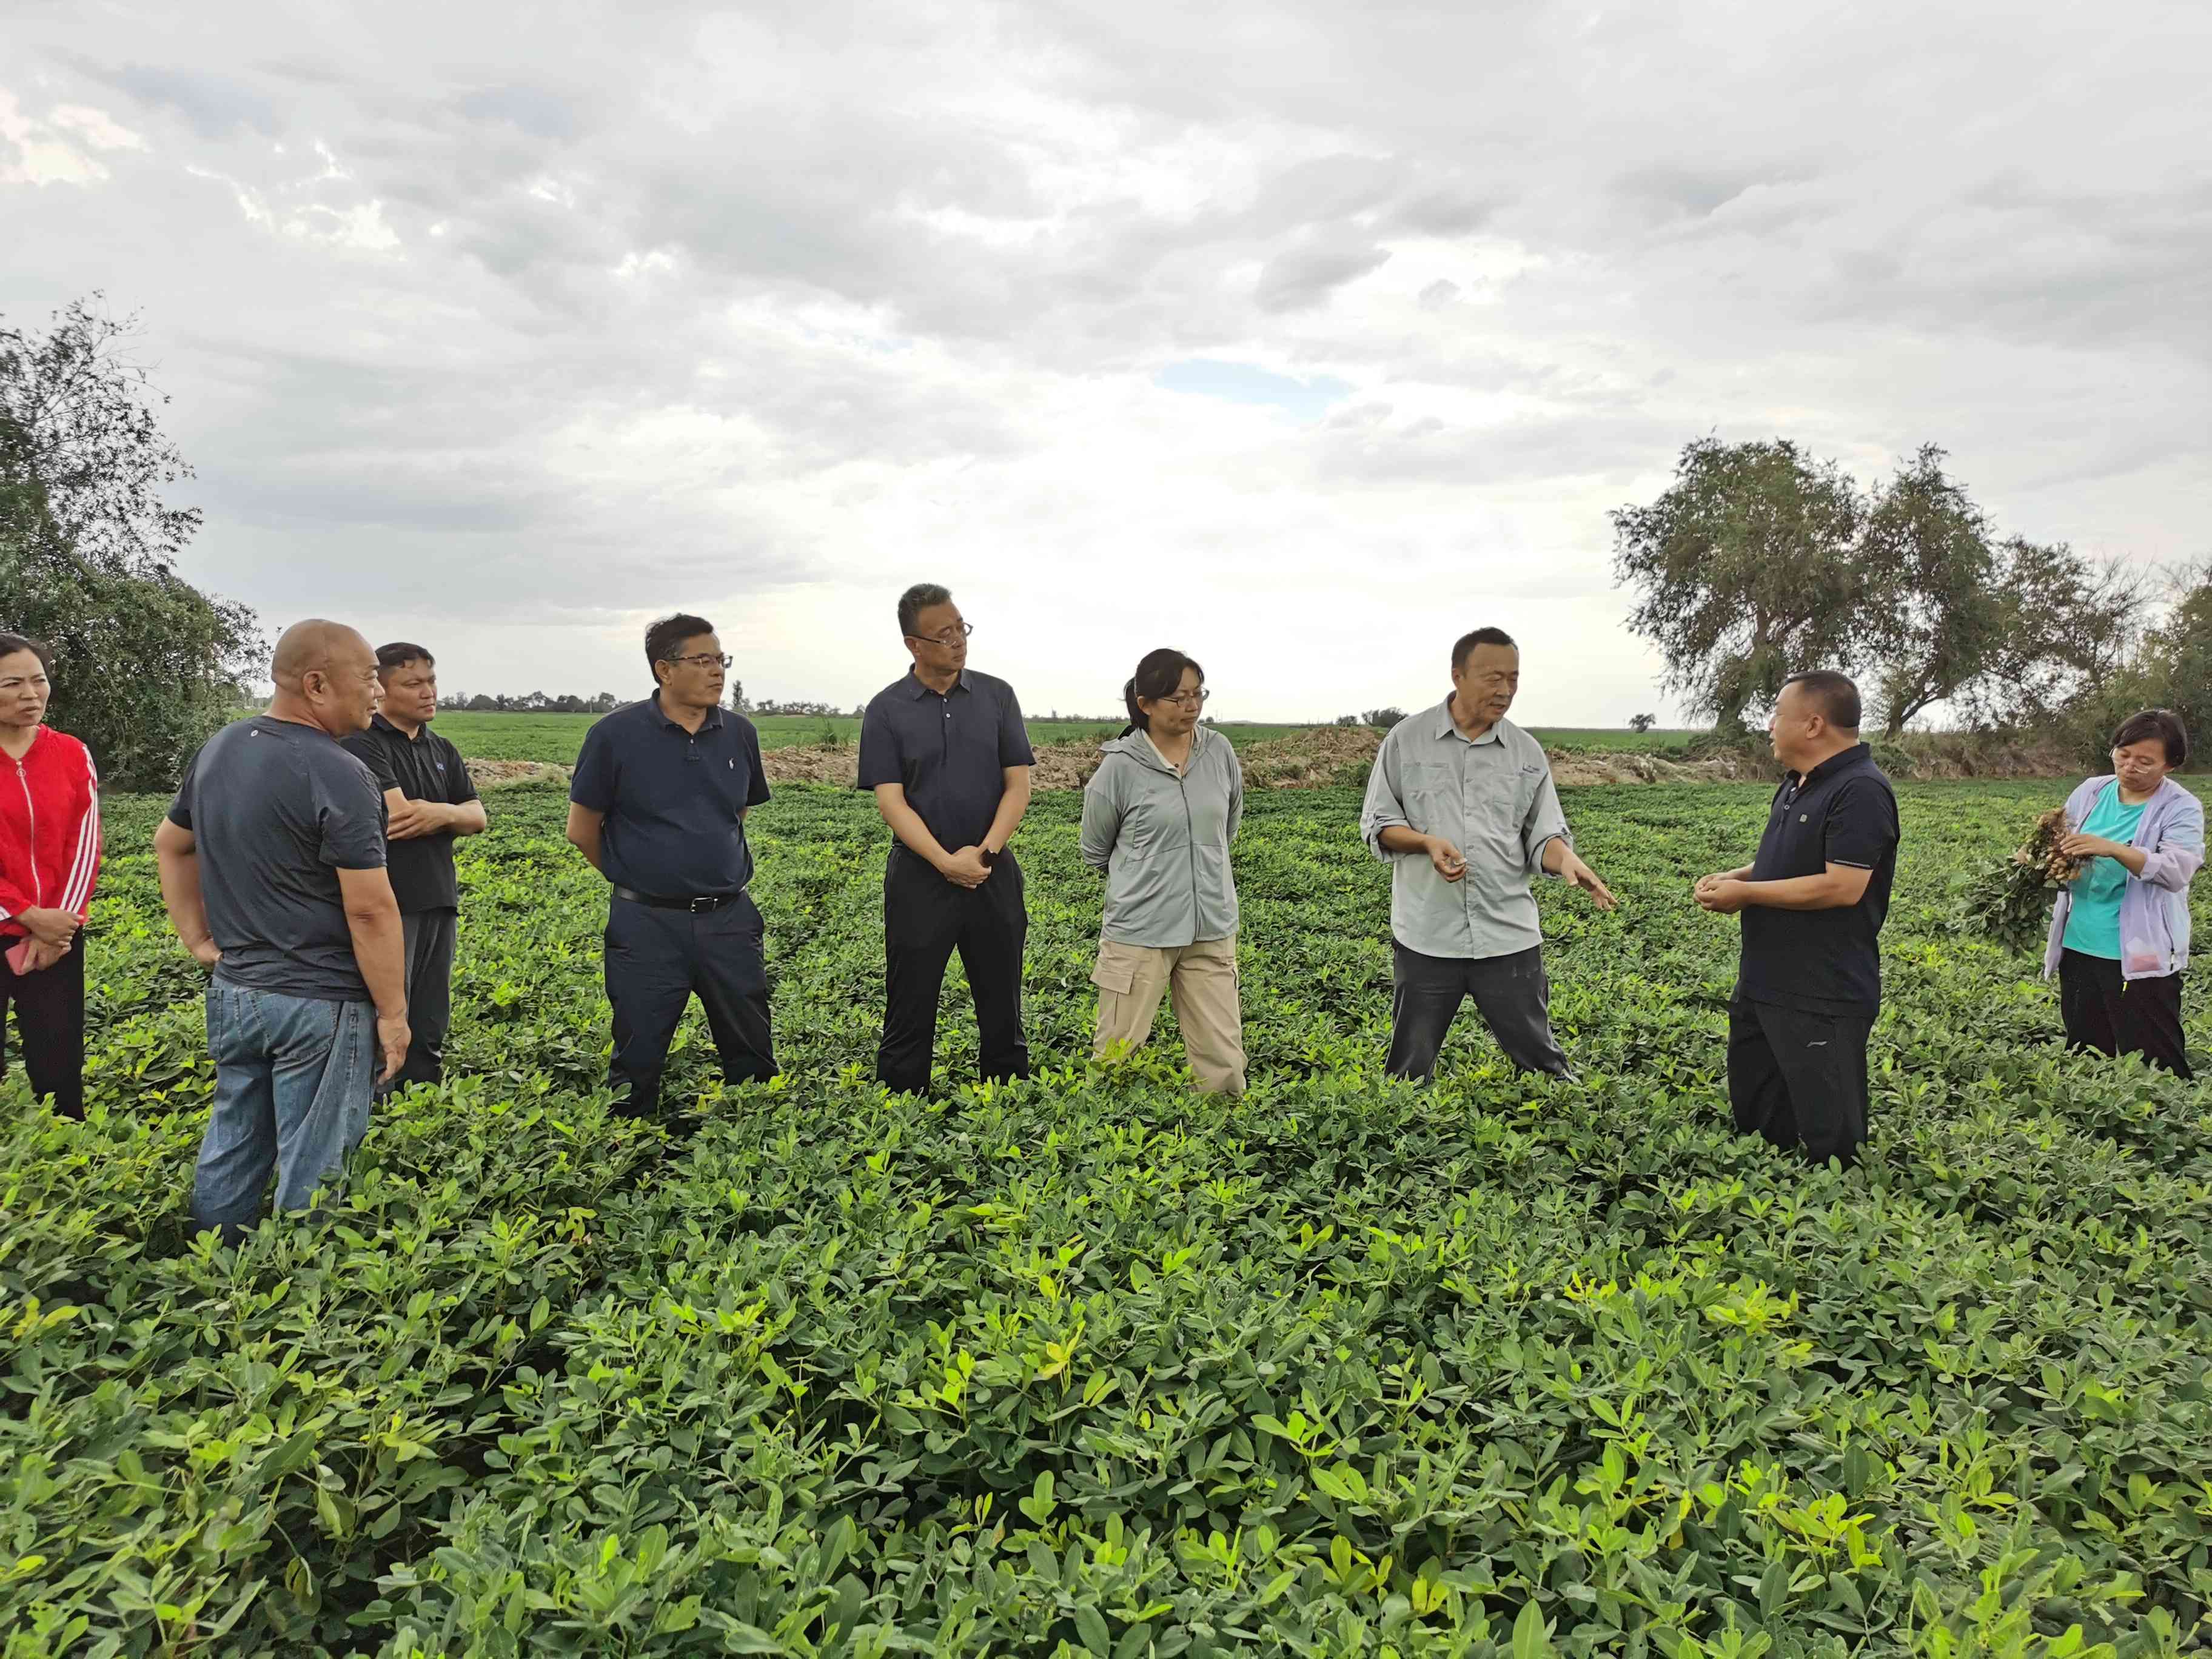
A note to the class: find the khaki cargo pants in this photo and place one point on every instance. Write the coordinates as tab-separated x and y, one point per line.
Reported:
1202	980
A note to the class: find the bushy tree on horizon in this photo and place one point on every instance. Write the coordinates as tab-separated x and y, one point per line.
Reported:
1758	561
145	665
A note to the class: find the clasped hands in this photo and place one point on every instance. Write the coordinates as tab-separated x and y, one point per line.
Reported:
50	932
966	868
1724	894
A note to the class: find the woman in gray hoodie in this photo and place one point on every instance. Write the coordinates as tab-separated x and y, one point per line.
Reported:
1159	817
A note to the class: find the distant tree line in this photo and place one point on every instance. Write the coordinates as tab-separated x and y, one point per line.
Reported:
531	702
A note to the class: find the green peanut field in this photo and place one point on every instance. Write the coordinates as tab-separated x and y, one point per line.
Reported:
1086	1365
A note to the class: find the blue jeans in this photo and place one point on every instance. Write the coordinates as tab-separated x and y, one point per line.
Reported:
292	1083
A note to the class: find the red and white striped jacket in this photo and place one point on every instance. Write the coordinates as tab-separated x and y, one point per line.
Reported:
49	829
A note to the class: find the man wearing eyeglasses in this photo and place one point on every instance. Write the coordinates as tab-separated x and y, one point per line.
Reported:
658	805
945	750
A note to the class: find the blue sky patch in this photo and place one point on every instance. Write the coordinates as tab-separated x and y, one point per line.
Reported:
1240	383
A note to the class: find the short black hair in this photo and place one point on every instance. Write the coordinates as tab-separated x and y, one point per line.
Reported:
398	654
1467	642
666	638
917	599
1835	696
2161	723
11	643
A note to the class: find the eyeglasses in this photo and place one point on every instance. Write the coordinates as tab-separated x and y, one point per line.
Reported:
705	660
1188	699
949	638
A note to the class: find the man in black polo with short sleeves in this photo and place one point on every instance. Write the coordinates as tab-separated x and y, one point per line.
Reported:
429	801
946	751
658	805
1812	904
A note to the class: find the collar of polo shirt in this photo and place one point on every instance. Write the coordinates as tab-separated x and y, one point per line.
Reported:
921	690
1835	763
713	716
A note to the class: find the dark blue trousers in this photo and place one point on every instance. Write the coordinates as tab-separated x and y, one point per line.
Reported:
657	961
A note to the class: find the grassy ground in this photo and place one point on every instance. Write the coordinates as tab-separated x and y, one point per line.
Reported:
1505	1366
557	737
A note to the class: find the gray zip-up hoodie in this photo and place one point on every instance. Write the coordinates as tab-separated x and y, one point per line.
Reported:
1164	840
2155	905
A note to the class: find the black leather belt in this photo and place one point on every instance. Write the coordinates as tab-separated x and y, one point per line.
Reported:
705	902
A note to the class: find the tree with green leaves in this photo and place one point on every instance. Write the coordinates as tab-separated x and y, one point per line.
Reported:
1749	570
145	666
1934	616
2067	630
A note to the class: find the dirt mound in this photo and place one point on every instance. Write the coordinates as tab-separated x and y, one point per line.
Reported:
1573	766
836	763
500	773
1063	765
1320	758
1313	759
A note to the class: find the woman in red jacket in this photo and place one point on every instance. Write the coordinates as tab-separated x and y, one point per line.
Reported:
49	863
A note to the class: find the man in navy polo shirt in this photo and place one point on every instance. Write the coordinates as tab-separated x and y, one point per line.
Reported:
1813	903
945	750
658	805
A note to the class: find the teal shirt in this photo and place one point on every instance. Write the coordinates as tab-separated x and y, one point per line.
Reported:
2092	925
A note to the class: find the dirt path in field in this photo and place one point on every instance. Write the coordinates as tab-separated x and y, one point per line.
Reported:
1325	757
1320	758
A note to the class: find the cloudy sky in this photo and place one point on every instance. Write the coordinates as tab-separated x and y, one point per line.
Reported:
1300	336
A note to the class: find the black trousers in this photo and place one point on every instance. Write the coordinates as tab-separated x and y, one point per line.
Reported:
427	946
1511	992
925	919
1800	1079
50	1016
2106	1014
657	960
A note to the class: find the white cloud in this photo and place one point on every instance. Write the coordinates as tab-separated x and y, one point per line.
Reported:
768	314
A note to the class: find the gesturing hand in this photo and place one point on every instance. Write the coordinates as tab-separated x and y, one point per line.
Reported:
1586	878
1449	862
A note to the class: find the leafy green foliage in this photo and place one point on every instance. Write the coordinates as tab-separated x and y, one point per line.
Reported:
1089	1365
2010	901
145	665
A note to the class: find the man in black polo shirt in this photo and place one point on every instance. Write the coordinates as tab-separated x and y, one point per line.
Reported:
1812	904
428	800
946	751
658	805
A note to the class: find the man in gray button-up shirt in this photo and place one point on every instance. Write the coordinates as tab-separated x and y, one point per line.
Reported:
1460	805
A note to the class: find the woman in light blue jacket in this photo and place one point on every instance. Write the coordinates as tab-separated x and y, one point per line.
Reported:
2119	934
1159	817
